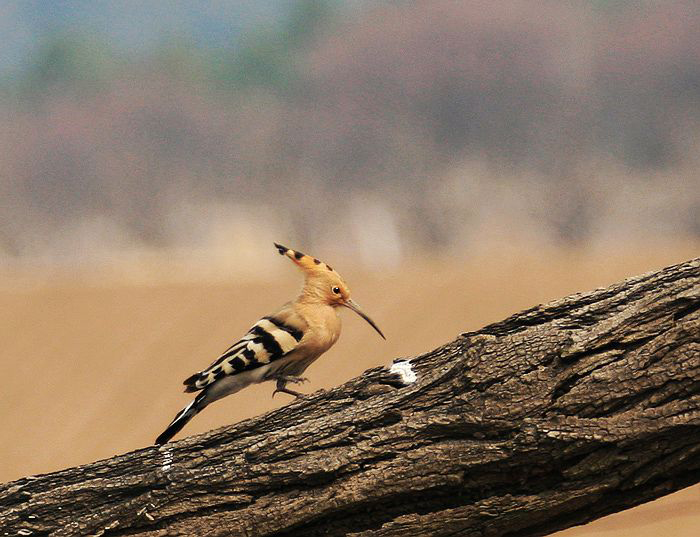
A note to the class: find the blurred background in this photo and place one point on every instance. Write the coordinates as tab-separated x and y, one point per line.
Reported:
460	159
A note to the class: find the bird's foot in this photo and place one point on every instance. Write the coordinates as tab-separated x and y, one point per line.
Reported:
282	385
290	392
293	379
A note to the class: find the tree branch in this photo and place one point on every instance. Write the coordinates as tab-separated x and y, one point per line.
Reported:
554	417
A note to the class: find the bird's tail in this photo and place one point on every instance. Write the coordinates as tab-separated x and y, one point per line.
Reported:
184	416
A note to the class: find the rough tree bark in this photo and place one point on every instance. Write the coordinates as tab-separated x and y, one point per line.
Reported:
556	416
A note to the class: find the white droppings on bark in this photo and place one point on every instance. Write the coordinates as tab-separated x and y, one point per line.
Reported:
167	459
404	369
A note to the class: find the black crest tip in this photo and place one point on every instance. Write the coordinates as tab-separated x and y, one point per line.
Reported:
281	249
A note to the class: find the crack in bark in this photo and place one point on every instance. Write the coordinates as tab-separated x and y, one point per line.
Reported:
692	307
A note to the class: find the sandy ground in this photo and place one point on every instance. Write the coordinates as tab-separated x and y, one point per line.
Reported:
94	367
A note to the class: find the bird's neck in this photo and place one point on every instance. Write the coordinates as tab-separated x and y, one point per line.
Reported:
322	319
309	305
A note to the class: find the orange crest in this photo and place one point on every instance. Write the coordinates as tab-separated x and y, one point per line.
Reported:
308	264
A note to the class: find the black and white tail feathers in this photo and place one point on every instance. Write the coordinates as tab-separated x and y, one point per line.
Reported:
185	415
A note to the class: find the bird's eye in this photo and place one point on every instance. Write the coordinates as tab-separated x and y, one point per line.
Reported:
336	290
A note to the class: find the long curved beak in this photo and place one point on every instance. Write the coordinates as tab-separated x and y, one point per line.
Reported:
349	303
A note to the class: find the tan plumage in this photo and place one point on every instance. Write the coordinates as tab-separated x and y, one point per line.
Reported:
278	347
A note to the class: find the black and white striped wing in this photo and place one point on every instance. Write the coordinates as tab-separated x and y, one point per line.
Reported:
268	340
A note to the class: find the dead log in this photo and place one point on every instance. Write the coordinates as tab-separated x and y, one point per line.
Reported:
553	417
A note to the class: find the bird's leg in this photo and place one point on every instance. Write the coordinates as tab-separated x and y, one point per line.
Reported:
293	379
282	385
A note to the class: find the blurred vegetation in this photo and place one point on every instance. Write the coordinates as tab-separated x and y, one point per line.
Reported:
267	58
71	61
573	120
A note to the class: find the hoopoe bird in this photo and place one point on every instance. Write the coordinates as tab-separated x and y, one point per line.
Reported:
278	347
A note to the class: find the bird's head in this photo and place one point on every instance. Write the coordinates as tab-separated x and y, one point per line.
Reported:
323	284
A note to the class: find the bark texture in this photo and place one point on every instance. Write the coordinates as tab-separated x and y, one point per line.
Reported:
553	417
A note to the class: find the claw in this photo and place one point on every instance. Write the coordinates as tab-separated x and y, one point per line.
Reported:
287	391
